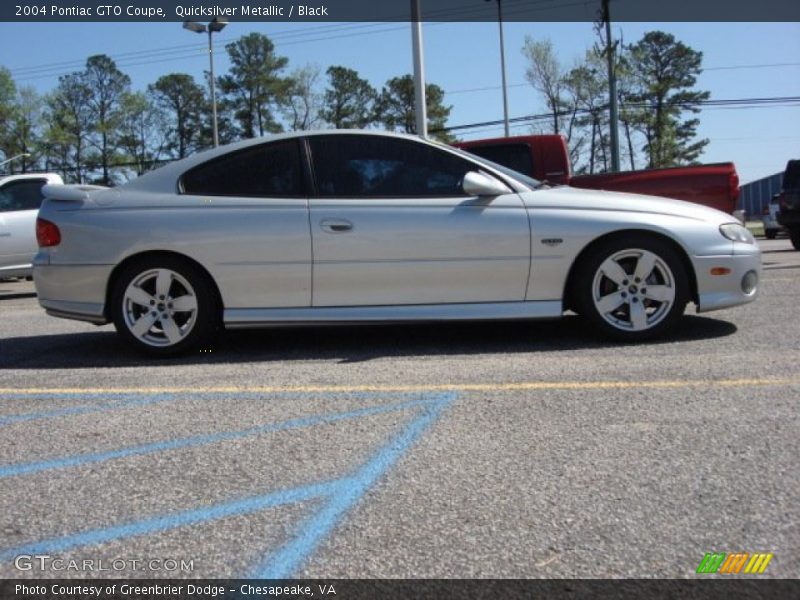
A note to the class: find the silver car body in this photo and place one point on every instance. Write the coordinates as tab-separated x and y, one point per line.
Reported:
18	227
293	260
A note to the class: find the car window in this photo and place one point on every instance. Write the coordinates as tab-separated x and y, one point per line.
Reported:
363	166
265	171
22	195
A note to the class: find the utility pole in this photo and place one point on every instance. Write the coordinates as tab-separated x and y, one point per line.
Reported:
503	65
612	89
420	111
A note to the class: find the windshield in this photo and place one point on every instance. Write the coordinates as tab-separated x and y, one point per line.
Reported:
525	180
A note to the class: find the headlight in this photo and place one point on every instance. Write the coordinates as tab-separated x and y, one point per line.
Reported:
736	233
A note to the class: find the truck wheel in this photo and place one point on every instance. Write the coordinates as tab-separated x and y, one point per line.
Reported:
632	288
794	235
164	306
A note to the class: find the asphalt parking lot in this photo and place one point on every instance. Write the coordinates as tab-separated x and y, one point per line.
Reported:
454	451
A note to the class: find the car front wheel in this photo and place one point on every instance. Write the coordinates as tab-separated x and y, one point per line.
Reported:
633	288
164	306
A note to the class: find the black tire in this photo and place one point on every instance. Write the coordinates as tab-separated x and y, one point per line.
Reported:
771	234
794	235
646	308
179	331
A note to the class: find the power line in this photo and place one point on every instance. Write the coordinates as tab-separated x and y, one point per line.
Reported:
740	103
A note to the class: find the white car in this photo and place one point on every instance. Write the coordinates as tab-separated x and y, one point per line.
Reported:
20	198
355	226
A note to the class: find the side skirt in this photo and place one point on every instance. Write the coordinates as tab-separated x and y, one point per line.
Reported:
254	317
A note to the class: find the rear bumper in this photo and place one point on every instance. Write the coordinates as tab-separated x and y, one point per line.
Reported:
716	292
73	291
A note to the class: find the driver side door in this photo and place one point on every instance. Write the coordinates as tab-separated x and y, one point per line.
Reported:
391	225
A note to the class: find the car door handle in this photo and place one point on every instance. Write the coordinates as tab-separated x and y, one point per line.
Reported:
336	225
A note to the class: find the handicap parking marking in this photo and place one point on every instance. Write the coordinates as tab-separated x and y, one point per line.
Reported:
76	460
338	495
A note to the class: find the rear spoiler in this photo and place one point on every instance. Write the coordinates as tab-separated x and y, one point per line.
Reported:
70	192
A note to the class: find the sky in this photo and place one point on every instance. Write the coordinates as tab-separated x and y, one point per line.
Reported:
741	60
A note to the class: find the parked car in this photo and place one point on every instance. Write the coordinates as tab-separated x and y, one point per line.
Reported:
789	202
546	157
769	219
354	226
20	197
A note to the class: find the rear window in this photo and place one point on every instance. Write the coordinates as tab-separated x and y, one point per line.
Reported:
271	170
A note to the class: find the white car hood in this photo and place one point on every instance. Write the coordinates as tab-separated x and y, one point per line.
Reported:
578	198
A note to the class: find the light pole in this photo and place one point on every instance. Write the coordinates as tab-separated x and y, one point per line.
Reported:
503	65
13	158
420	104
215	26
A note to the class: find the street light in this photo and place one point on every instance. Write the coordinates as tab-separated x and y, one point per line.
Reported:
502	64
215	26
13	158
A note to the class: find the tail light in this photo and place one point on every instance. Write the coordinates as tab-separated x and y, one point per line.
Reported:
47	233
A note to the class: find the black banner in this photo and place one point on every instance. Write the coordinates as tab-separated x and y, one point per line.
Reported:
397	589
397	10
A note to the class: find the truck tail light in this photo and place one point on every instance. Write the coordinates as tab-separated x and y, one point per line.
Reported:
47	233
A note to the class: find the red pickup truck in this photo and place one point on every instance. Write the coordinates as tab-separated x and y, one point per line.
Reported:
545	157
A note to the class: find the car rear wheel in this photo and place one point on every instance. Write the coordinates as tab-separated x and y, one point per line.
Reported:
164	306
633	288
794	235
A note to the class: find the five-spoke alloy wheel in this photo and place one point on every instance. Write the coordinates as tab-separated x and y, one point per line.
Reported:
163	305
632	289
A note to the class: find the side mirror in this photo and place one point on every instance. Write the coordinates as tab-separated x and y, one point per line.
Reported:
479	184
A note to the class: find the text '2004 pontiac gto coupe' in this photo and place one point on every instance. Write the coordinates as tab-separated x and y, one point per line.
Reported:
344	226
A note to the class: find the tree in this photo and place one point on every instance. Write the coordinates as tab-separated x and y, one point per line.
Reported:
349	101
254	86
396	107
664	71
8	92
302	103
69	123
545	74
23	129
142	131
106	86
183	100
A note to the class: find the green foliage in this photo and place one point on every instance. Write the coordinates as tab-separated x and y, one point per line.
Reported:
396	108
349	101
254	87
184	106
107	86
663	72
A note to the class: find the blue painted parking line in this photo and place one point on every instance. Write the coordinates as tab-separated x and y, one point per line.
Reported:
127	401
283	563
340	496
197	440
171	521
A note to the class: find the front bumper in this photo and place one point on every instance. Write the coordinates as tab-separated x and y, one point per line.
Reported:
726	290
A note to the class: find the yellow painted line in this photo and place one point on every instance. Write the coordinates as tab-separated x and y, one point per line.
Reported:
460	387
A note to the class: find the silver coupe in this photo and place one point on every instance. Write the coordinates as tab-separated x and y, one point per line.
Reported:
357	226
